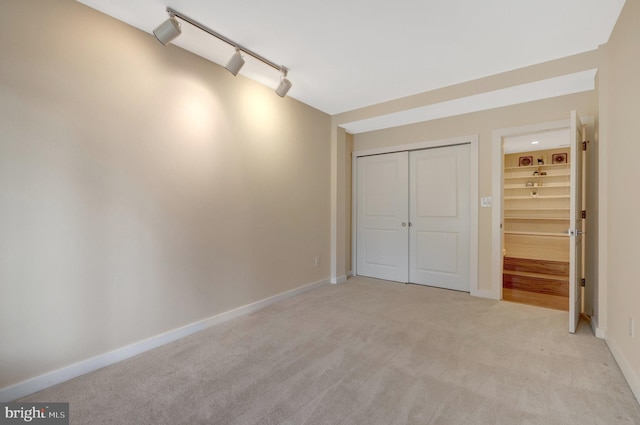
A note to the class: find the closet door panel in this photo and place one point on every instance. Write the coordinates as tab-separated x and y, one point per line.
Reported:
382	217
435	184
439	216
437	252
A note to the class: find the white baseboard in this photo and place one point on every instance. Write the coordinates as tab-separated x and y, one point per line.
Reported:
632	378
339	279
66	373
598	332
485	294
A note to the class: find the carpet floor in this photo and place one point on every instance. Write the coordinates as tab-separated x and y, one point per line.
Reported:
366	352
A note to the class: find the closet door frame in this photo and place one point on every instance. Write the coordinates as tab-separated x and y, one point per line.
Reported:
473	199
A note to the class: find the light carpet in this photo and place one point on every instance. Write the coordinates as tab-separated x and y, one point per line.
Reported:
366	352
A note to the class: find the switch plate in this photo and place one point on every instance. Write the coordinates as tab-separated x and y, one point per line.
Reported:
486	202
317	261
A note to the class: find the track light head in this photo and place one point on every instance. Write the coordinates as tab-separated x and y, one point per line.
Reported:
285	84
283	87
235	63
168	30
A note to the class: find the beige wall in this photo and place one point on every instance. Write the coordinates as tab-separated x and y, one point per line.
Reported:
621	104
142	188
482	123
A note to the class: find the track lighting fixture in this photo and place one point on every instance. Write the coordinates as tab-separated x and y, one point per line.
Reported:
170	29
235	63
285	84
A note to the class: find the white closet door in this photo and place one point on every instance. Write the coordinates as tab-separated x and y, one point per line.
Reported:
382	212
439	217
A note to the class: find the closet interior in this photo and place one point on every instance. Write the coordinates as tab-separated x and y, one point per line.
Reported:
536	212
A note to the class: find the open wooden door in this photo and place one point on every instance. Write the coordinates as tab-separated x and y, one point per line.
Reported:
575	224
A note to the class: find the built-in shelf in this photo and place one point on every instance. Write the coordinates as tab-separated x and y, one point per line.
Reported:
534	218
537	209
535	167
532	176
546	185
537	234
538	197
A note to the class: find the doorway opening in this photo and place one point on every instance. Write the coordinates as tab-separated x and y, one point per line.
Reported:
534	199
536	216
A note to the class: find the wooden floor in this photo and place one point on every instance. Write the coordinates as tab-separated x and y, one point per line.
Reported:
542	283
532	298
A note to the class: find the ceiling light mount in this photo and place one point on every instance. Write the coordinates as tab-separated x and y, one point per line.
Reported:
285	84
170	29
235	63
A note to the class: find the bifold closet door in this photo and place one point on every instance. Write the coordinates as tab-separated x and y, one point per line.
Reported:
412	213
382	211
439	216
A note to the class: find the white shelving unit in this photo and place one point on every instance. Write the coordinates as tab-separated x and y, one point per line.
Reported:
536	208
536	222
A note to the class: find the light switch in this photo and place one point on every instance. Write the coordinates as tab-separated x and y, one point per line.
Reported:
486	202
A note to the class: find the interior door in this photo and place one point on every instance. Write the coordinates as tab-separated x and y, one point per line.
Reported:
382	212
575	224
439	217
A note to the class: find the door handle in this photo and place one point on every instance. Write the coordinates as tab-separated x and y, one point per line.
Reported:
404	224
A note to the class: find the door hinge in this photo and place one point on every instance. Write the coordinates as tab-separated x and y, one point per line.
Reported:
583	282
584	145
584	214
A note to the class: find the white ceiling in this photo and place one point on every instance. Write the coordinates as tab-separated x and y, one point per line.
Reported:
550	139
347	54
